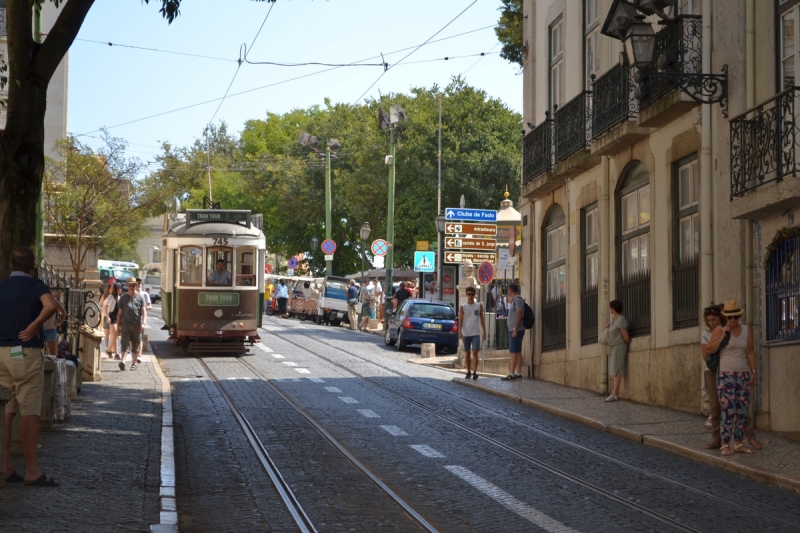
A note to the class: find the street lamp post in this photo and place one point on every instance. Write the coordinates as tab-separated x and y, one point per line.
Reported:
314	245
330	153
364	234
391	122
441	224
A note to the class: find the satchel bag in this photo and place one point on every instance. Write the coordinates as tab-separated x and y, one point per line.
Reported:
352	301
603	339
712	359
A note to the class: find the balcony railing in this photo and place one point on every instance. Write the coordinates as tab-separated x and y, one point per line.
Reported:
685	293
634	292
554	324
764	143
538	150
573	126
612	100
678	48
589	316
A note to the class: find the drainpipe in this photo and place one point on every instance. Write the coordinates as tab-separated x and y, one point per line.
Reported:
605	268
749	299
706	177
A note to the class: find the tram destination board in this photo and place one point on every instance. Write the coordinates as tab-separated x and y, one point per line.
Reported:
475	257
217	215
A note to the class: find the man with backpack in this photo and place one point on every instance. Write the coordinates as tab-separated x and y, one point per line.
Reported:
516	332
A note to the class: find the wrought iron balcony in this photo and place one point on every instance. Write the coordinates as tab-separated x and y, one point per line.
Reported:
573	126
538	150
764	143
612	100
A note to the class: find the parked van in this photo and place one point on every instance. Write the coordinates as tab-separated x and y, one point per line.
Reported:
152	282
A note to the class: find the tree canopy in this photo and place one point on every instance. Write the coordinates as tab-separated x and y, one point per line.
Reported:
264	169
509	31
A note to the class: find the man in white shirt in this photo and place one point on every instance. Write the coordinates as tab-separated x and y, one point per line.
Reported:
471	326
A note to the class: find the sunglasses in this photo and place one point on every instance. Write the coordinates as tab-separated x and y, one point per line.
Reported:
470	294
735	317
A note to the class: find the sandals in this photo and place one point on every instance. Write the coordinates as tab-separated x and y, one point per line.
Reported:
15	478
755	443
713	446
43	481
741	448
611	398
726	450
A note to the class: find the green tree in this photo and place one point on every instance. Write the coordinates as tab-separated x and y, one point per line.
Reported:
30	67
509	31
93	200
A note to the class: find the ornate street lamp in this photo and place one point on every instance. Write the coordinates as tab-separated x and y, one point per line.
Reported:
441	225
640	43
314	245
364	234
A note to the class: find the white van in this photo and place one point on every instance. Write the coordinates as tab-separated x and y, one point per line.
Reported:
152	282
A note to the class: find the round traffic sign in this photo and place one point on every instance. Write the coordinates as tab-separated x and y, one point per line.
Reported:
268	268
292	262
485	273
380	247
328	246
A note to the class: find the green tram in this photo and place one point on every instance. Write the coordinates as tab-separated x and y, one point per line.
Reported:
212	281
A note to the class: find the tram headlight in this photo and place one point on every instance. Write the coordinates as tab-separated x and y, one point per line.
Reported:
218	313
233	324
241	324
203	325
194	325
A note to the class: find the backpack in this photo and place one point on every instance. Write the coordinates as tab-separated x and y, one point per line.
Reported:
528	319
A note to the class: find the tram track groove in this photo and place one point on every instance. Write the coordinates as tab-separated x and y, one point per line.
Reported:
290	501
554	470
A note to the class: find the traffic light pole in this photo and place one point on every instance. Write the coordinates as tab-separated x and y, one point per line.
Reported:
328	232
390	219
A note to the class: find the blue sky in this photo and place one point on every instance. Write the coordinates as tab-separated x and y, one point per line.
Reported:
109	86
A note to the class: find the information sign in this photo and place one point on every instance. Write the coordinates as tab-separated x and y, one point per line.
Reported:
471	244
424	261
465	213
457	228
475	257
222	299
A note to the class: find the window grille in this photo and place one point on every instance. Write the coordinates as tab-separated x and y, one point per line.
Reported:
783	292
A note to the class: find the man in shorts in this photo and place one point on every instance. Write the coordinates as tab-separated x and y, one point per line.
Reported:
131	319
471	327
516	332
27	304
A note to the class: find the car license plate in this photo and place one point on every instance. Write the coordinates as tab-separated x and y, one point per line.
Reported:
428	325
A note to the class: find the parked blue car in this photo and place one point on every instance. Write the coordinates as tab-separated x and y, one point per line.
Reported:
419	321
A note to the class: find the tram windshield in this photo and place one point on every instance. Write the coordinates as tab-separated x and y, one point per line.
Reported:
218	263
246	266
191	266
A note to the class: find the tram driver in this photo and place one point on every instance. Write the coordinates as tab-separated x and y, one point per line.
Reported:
220	275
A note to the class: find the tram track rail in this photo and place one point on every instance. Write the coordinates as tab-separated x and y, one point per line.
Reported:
518	453
289	499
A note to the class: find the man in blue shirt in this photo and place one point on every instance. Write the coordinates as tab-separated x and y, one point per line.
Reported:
25	304
352	305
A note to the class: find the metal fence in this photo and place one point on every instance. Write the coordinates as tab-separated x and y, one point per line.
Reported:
764	143
554	324
538	150
589	316
685	293
783	292
573	126
612	100
77	301
634	293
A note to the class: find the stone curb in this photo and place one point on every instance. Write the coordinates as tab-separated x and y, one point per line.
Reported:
168	522
762	476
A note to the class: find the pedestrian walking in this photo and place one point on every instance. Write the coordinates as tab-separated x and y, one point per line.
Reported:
105	321
352	305
50	328
402	294
132	321
714	320
618	341
516	332
368	300
282	295
145	293
26	305
110	308
378	300
471	329
269	288
737	372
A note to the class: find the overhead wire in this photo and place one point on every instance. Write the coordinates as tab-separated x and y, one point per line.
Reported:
481	58
109	43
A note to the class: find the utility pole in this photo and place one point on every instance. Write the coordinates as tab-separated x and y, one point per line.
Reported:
328	233
37	37
208	165
390	214
439	266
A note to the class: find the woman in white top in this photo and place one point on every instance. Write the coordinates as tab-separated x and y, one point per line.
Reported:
735	377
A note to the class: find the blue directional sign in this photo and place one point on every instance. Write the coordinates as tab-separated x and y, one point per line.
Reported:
292	263
424	261
466	213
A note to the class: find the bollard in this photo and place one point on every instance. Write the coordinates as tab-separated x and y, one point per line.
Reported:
428	349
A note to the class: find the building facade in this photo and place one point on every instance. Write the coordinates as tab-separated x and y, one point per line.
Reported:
633	190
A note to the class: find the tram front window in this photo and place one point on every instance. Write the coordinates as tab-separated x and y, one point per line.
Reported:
245	266
218	261
191	266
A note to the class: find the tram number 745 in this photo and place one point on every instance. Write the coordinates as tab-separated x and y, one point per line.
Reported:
221	242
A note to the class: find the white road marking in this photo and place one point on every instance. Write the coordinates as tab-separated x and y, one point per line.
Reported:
369	413
317	380
332	389
394	431
347	399
303	370
278	356
263	348
290	380
427	451
510	502
289	363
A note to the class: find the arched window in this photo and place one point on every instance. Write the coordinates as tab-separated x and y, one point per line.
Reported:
554	306
783	291
633	250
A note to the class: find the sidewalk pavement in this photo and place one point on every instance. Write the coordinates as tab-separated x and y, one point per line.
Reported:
107	455
778	463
